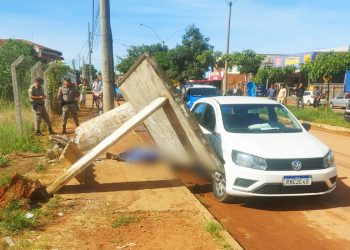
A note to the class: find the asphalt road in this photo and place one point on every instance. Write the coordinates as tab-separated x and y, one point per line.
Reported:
321	222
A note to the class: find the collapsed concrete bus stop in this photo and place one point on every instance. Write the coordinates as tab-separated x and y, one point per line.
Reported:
151	101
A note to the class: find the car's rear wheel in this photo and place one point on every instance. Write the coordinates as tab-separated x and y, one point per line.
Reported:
219	187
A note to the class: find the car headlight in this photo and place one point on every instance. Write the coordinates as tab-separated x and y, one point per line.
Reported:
328	160
248	161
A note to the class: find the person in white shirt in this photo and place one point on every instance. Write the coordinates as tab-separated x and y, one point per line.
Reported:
282	94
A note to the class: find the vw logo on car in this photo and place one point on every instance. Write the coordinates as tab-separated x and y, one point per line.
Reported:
296	165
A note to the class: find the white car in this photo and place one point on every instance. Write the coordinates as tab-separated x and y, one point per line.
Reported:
264	149
307	98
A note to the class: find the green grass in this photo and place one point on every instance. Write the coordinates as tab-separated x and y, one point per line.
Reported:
5	179
40	167
123	220
10	140
310	115
214	228
4	161
13	219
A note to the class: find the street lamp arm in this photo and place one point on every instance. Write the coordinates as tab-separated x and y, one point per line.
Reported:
173	34
146	26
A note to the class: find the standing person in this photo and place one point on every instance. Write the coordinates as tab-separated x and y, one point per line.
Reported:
316	93
67	96
282	94
83	91
96	89
37	97
299	92
271	92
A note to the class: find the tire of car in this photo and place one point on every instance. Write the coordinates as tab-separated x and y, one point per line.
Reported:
308	103
219	187
331	105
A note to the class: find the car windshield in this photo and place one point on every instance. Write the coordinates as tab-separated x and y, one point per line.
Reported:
258	118
207	92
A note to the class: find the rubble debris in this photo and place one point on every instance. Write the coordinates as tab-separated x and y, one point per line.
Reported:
9	241
20	188
132	244
60	140
55	152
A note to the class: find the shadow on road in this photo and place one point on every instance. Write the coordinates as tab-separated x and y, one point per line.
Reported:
121	186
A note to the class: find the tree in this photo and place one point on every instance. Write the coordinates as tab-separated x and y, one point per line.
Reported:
9	52
273	75
326	67
55	73
248	61
86	69
192	58
158	51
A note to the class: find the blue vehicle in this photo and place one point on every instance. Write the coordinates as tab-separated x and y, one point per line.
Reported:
195	92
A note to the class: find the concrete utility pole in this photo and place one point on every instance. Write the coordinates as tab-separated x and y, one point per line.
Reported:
90	52
107	56
224	83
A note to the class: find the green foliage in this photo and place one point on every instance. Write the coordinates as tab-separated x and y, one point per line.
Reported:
55	73
13	220
158	51
85	68
4	160
247	61
213	228
5	179
274	74
123	220
189	60
40	167
9	52
326	65
11	141
192	58
330	117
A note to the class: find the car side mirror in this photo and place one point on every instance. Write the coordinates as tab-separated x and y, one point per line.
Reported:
307	126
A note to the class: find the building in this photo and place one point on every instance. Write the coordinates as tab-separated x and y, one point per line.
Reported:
43	52
282	60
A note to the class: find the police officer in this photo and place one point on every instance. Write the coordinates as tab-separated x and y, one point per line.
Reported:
67	96
37	97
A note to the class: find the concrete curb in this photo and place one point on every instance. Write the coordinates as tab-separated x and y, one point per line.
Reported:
331	128
209	217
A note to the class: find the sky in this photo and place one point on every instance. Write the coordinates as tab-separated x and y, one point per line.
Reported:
266	26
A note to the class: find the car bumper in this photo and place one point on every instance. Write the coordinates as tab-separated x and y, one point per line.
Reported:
242	181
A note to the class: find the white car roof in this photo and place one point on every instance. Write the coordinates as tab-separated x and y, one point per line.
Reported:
239	100
202	86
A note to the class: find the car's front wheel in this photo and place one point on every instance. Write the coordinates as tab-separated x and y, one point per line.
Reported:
308	103
219	187
331	105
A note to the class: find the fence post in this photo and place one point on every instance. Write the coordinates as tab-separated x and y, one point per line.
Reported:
16	93
36	67
46	92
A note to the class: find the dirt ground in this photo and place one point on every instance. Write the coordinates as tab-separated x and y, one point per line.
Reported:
165	214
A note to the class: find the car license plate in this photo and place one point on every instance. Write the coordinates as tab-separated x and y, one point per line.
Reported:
304	180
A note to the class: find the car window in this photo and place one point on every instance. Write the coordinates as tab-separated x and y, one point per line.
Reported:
198	112
307	93
209	120
258	118
207	92
340	96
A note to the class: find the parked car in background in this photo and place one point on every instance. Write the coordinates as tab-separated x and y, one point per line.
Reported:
347	112
195	92
264	149
340	101
309	99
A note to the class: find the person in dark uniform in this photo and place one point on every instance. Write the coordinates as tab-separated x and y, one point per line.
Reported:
37	97
67	96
